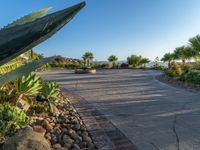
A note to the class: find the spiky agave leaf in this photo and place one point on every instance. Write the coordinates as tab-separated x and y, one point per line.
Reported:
28	85
24	70
28	18
9	67
19	39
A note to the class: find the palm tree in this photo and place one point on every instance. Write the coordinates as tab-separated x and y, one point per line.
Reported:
195	42
184	53
88	57
113	59
195	45
168	57
144	61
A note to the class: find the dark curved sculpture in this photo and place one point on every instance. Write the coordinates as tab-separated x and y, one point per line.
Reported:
18	39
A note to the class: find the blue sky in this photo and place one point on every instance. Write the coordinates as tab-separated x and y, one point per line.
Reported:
121	27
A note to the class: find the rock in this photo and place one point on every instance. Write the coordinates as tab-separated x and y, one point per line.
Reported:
67	145
44	115
2	140
57	146
84	133
83	144
67	139
91	146
76	137
64	148
39	129
52	124
57	131
47	125
48	136
71	131
64	130
74	121
75	146
54	139
26	139
66	120
87	139
77	126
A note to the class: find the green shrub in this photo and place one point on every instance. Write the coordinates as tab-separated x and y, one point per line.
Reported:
193	76
11	119
169	72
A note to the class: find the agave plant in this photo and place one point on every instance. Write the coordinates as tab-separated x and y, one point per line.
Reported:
28	18
9	67
49	92
18	39
24	70
28	85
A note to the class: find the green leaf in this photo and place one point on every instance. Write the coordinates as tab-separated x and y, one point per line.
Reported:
24	70
28	18
21	38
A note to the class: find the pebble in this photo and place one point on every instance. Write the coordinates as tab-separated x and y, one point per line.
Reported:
76	146
67	145
67	139
47	125
39	129
87	139
54	139
56	146
65	129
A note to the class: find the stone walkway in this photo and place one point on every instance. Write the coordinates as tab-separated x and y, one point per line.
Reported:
151	114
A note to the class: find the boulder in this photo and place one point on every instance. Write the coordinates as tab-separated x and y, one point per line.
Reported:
26	139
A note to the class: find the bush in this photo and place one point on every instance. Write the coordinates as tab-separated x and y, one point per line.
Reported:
11	119
106	66
193	76
176	69
169	73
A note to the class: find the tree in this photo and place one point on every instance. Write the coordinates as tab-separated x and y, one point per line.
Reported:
144	61
88	57
195	45
134	60
184	53
113	60
168	57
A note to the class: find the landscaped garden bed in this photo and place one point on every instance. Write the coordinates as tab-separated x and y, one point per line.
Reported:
33	113
178	83
47	112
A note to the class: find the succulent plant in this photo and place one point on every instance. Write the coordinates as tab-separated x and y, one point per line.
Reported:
24	70
18	39
28	18
11	119
28	85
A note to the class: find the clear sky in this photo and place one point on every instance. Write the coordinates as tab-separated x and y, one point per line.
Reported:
121	27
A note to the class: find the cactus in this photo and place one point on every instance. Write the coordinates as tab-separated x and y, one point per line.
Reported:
24	70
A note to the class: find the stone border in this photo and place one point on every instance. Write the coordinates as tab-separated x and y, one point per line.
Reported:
105	135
